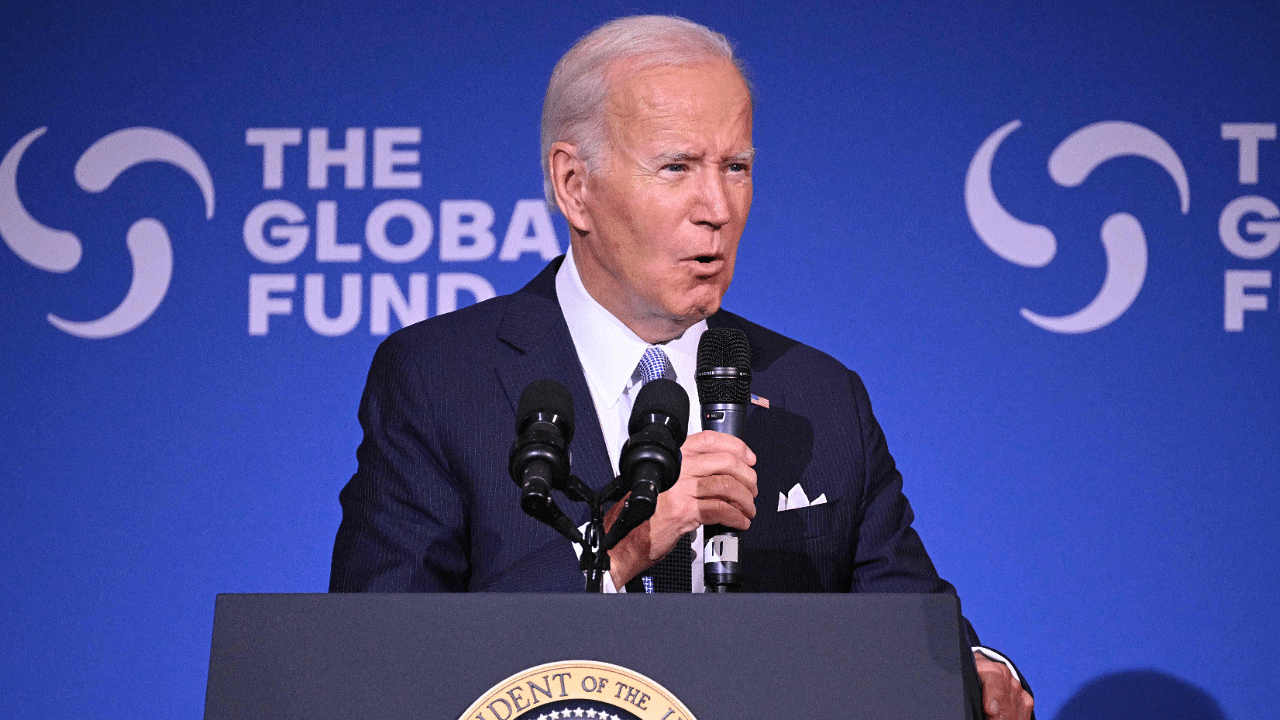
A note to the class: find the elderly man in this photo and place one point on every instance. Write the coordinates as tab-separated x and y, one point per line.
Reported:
647	152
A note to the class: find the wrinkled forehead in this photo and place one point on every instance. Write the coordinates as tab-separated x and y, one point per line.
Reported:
705	97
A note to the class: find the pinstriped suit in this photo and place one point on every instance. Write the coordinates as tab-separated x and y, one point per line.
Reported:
431	507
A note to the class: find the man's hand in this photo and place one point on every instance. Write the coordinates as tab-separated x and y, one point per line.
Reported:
717	486
1002	695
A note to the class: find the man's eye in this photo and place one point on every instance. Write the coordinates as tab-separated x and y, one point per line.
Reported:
739	167
675	167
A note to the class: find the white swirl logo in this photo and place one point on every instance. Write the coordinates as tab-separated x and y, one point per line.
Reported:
1034	245
59	251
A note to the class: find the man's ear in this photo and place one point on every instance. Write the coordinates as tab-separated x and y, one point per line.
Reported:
569	181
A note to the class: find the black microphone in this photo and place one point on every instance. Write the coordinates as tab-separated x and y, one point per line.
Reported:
539	460
650	459
724	390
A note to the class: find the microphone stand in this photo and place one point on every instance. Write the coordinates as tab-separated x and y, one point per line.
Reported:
650	459
595	553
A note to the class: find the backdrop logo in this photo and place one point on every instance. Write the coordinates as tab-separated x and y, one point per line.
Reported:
59	251
577	689
357	228
1034	246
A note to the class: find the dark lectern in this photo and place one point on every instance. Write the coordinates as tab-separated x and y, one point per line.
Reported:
725	657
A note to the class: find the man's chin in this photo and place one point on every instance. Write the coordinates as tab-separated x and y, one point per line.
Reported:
692	315
695	307
704	304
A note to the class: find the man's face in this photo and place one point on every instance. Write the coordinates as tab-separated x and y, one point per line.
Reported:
671	193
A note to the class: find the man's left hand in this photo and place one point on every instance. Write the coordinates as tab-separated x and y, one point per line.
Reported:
1002	695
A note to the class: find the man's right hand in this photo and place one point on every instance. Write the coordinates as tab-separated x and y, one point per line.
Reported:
717	486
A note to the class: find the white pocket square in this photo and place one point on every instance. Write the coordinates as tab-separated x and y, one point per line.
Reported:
796	499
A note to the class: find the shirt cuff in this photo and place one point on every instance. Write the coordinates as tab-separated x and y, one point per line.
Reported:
608	587
990	654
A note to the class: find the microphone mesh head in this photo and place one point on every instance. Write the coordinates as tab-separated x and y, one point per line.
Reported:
724	367
552	400
664	397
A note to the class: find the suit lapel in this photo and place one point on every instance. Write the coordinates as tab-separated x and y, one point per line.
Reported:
534	326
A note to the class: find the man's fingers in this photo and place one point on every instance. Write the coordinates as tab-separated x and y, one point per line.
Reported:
719	465
710	441
1002	695
726	489
719	512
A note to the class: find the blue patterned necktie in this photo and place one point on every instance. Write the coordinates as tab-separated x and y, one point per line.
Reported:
653	365
672	573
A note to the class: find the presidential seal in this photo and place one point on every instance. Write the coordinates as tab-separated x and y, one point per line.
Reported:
574	689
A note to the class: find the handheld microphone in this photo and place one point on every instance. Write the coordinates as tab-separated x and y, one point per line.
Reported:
724	389
539	459
650	459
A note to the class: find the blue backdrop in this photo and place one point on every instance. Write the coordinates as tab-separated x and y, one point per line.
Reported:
1103	499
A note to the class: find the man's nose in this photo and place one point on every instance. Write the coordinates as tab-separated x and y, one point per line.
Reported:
712	208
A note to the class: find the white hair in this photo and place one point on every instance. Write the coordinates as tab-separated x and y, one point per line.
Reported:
574	108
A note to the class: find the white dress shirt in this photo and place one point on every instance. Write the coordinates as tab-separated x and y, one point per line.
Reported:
610	353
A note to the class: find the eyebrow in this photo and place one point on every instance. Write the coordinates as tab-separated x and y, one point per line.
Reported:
681	156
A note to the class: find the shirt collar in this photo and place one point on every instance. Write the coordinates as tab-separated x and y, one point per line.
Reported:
608	350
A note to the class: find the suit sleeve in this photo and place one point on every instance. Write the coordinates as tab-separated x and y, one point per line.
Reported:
890	556
404	514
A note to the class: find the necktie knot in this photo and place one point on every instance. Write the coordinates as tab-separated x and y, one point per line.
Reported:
653	365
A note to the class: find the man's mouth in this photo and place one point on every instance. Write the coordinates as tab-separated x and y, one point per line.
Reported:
705	266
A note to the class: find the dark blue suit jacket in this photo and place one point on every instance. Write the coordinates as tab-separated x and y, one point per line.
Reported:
432	508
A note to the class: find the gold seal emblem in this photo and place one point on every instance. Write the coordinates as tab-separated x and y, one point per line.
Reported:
574	689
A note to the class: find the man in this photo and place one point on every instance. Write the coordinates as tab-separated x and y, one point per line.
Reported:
647	152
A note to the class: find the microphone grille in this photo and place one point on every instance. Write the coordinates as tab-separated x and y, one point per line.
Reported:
549	399
724	367
664	397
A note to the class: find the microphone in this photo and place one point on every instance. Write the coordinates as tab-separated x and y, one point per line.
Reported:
539	459
724	388
650	458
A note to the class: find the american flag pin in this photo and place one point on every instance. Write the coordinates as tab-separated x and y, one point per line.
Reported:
762	402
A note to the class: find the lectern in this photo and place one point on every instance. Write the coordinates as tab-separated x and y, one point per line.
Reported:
529	657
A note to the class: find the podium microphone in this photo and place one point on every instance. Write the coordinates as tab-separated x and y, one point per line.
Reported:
650	459
539	459
724	389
